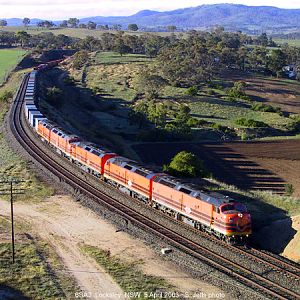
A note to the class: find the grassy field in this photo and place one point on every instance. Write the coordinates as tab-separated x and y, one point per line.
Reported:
33	274
126	274
290	42
9	58
76	32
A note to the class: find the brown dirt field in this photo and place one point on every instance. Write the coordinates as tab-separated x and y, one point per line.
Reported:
278	92
247	165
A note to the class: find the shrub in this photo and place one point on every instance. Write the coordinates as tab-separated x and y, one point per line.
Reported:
289	189
185	164
238	90
192	91
211	92
6	95
265	108
193	122
250	123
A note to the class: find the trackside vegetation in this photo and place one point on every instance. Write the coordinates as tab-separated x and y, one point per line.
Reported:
128	274
32	276
185	164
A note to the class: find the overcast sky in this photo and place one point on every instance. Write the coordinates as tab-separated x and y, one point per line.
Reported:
62	9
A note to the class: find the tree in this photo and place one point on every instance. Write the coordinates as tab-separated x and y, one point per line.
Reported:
80	59
171	28
121	47
263	40
54	94
149	84
185	164
26	22
63	24
117	27
91	25
276	61
157	114
23	37
82	25
73	22
133	27
3	23
46	24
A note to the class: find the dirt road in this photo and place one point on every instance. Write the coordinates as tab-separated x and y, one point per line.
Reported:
66	224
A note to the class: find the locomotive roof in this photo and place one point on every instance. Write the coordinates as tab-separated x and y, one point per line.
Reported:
61	132
193	190
132	166
93	148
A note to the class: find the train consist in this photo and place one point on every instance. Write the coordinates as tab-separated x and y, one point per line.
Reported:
208	211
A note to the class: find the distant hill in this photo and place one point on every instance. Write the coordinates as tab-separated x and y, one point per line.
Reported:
249	19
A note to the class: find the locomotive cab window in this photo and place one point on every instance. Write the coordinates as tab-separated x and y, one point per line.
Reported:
128	167
227	207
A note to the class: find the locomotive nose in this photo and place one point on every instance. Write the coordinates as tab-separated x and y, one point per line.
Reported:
243	221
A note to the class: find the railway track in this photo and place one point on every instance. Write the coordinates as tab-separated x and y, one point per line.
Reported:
240	273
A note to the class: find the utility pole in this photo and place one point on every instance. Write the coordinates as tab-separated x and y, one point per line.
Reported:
11	188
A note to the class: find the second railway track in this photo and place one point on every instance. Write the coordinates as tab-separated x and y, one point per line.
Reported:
235	270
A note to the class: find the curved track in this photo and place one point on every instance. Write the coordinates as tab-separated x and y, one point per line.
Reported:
240	273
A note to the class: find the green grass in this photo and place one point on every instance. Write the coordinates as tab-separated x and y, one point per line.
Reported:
116	58
33	274
127	275
225	112
290	42
9	58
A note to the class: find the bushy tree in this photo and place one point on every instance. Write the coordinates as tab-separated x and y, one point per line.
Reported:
26	22
149	84
133	27
54	94
80	59
185	164
73	22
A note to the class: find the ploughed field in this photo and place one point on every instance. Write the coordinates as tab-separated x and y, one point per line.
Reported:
267	165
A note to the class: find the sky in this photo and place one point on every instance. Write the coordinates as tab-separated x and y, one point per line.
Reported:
63	9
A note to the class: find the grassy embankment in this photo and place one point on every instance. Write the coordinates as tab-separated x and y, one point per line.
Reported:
37	272
10	163
127	274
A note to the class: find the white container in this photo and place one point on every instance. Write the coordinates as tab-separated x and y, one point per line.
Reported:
28	108
33	115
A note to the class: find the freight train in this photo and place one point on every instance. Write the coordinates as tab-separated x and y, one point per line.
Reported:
208	211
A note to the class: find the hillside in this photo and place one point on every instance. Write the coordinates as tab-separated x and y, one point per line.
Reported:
250	19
